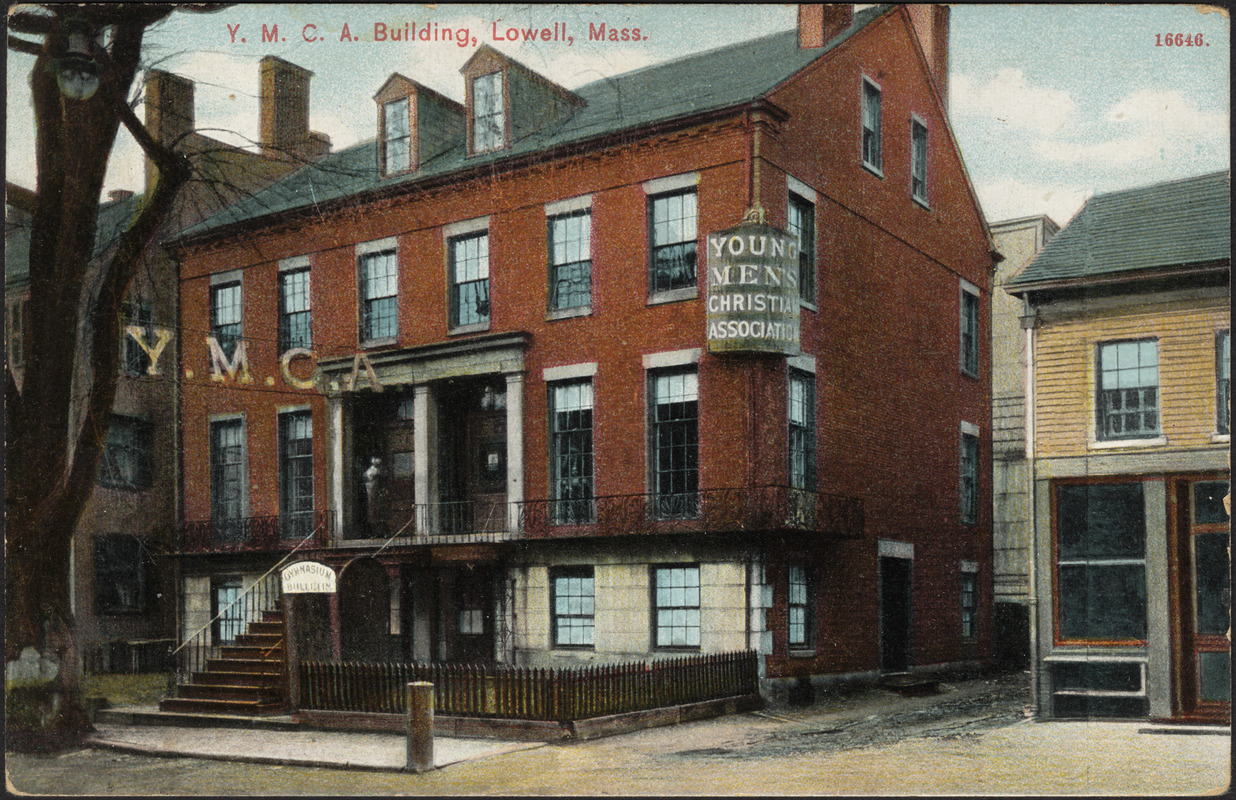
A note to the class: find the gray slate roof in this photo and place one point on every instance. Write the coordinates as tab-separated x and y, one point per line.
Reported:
708	81
113	221
1169	224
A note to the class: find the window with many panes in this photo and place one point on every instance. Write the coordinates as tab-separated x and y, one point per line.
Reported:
126	455
469	272
969	603
227	478
1128	390
294	318
570	260
15	329
139	314
1223	384
969	323
571	452
801	222
379	312
672	227
918	161
225	316
573	595
120	571
488	113
396	141
675	443
676	606
296	474
227	610
1100	562
969	477
799	601
871	126
802	429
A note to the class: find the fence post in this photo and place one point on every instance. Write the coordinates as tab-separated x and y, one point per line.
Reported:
420	727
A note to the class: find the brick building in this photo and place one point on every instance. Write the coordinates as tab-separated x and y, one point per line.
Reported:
472	366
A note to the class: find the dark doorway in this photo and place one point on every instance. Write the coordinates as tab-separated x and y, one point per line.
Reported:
896	614
472	437
383	437
364	611
466	618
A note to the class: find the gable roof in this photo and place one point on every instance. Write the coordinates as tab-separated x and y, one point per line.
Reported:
692	85
1172	224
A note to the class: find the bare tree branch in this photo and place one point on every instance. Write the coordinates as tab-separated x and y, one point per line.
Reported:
24	46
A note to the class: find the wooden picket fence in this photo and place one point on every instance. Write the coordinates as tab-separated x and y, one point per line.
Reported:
530	693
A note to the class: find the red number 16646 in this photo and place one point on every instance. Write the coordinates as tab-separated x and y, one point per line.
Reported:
1179	40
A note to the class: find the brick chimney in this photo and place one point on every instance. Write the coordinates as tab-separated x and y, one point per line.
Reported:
931	24
284	101
168	109
820	23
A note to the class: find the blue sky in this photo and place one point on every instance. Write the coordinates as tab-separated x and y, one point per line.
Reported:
1050	103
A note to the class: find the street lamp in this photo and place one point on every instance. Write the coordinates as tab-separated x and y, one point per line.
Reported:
77	69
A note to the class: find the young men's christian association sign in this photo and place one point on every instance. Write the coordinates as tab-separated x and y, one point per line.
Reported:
752	302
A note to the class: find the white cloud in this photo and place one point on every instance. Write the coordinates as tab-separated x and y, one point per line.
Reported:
1009	98
1010	198
1167	111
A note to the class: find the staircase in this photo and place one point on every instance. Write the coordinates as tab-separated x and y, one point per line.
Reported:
247	678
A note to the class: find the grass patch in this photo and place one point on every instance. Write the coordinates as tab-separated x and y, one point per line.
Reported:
140	689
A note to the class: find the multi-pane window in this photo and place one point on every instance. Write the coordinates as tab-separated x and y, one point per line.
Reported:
225	316
141	314
379	313
969	478
675	443
1223	385
126	455
801	222
802	430
1101	562
395	139
488	115
570	260
574	603
969	604
672	223
676	601
918	161
571	452
16	330
294	309
969	332
469	279
228	610
227	478
296	473
871	126
120	569
798	607
1128	390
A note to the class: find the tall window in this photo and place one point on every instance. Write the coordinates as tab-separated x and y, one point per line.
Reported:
969	604
296	474
672	223
1128	390
969	332
801	219
227	478
469	279
570	260
574	604
294	309
802	430
120	568
675	443
1101	562
918	161
799	601
871	126
395	139
379	304
126	455
1223	387
571	449
488	116
969	478
15	324
676	600
227	610
225	316
139	313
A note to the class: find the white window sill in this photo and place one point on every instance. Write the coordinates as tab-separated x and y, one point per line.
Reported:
1115	444
1221	438
673	296
476	327
569	313
802	653
807	304
371	344
874	170
921	202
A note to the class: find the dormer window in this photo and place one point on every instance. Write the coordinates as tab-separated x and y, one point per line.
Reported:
396	139
488	113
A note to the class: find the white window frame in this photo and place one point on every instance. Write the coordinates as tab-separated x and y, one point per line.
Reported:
804	193
875	167
495	139
387	139
915	164
969	289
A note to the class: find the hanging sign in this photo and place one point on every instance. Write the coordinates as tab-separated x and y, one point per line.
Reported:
308	577
752	301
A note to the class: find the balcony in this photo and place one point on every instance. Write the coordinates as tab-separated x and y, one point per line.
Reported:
256	534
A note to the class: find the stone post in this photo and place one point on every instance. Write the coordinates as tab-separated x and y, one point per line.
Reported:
420	727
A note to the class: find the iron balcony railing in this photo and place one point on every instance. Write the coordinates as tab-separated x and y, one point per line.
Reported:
275	533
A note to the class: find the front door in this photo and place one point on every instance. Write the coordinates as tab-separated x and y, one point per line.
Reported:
896	614
473	457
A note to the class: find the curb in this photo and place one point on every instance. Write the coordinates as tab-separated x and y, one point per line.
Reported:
158	752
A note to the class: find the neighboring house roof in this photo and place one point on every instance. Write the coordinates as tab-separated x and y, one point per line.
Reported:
688	86
114	218
1174	224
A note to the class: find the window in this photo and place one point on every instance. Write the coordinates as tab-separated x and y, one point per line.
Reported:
225	316
676	604
227	478
799	600
396	142
574	603
969	477
294	309
673	226
969	604
918	161
802	430
469	279
675	443
126	455
570	260
1128	391
969	330
1223	387
379	304
120	570
135	358
1101	562
801	221
871	126
296	474
15	323
488	116
571	452
227	611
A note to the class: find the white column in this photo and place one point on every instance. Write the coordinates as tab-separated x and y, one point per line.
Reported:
422	427
338	468
514	447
